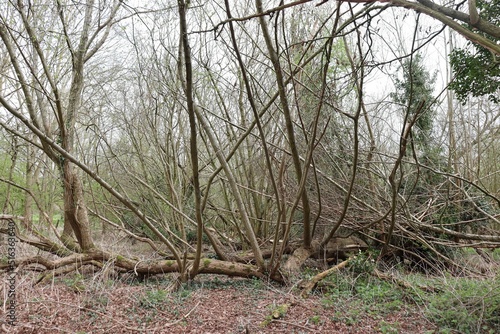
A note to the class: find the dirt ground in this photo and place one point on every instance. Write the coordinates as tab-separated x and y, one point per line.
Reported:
210	305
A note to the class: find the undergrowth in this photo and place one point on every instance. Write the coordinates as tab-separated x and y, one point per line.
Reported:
467	305
354	293
453	304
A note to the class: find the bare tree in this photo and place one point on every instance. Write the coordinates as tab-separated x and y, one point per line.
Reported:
239	130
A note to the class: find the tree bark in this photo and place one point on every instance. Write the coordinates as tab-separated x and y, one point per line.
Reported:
306	209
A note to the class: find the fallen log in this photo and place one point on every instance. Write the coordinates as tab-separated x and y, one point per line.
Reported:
309	285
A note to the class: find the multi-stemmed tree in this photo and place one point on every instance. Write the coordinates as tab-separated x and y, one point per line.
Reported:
215	123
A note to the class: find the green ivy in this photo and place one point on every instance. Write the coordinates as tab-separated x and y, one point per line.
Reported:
477	72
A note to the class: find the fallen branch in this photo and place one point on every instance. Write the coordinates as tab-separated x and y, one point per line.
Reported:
308	286
292	324
402	283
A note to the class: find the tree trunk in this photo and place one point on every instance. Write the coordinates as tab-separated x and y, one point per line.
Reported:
273	56
75	209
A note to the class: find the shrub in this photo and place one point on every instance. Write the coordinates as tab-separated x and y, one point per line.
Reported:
467	305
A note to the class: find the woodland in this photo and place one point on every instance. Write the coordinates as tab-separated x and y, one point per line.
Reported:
313	147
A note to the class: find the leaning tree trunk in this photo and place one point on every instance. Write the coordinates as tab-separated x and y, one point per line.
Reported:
75	210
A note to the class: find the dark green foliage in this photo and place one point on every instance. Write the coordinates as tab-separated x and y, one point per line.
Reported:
477	72
414	91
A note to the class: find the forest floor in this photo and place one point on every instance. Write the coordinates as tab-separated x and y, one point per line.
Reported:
210	305
352	300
